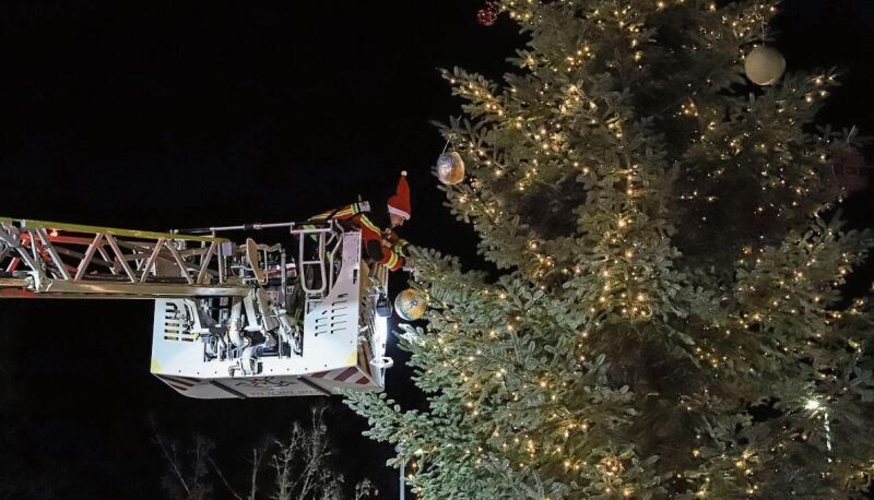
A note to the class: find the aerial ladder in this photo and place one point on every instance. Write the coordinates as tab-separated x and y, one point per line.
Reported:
232	320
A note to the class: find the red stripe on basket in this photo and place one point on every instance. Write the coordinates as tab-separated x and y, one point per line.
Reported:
179	386
348	372
184	381
364	359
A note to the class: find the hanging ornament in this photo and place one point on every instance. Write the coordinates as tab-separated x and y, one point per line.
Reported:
764	65
410	304
850	169
450	168
488	14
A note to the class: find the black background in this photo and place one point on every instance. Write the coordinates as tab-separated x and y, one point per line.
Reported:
166	115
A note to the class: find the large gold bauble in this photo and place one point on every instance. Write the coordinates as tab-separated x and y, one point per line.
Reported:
450	168
410	304
764	65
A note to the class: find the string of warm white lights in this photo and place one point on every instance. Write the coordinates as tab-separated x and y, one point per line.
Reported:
609	355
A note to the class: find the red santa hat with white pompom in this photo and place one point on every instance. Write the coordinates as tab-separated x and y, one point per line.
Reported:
399	203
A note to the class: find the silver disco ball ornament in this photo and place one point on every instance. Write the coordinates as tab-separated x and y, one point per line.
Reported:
410	304
764	65
450	168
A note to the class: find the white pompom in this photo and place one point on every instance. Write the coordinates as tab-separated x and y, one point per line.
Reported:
764	65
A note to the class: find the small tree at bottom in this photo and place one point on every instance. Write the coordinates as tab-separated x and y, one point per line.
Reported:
297	468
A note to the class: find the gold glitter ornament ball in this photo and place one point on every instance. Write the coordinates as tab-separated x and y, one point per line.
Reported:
764	65
410	304
450	168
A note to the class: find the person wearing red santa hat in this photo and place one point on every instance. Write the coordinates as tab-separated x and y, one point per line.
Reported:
382	246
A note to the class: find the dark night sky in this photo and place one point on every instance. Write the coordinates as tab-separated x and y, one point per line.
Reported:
181	114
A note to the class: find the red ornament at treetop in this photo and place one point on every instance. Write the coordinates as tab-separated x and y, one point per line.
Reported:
488	14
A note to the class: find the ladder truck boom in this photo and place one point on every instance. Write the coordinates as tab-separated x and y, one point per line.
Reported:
231	320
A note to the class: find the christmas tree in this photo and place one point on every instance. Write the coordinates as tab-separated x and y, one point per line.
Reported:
669	317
